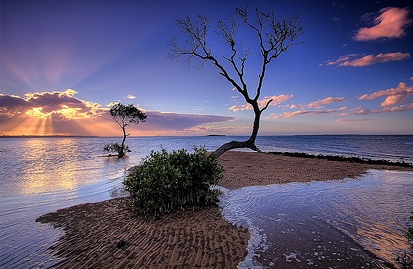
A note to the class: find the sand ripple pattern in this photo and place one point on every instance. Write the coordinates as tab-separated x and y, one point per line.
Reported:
198	238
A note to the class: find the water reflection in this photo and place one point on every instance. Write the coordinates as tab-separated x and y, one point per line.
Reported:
40	175
62	179
373	210
48	171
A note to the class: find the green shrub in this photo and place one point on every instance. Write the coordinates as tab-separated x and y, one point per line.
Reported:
167	182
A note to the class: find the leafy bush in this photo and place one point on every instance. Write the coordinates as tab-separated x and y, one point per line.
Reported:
166	182
116	148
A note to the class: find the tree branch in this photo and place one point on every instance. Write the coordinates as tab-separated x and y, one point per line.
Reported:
266	106
274	36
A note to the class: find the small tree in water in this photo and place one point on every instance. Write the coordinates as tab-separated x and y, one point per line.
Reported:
273	37
124	115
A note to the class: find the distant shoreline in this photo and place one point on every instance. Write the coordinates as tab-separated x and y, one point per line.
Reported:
209	135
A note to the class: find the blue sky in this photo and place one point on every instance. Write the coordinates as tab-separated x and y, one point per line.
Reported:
63	63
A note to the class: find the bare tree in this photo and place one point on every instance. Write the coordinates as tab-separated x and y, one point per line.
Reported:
273	36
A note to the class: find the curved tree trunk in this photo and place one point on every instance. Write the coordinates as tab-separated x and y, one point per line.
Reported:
250	143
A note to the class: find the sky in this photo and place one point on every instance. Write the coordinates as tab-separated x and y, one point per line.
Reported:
64	63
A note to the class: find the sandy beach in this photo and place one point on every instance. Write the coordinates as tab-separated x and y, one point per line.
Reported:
108	235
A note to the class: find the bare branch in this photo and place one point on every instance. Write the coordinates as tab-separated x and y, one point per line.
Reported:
266	106
228	31
274	36
196	43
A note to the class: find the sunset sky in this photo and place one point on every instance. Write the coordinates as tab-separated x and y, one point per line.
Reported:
63	63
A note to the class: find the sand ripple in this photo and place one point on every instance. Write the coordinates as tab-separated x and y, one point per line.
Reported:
107	235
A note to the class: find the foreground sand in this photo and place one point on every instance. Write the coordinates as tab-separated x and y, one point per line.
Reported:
107	235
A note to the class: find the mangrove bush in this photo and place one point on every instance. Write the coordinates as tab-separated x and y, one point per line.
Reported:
169	181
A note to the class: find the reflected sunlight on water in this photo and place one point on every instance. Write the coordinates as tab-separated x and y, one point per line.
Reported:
51	171
41	175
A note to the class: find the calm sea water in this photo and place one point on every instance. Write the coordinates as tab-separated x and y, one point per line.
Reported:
40	175
373	210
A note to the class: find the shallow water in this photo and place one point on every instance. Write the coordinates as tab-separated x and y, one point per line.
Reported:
374	210
41	175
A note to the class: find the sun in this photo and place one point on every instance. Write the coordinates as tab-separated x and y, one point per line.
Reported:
37	112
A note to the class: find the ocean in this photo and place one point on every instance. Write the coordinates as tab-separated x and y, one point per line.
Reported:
42	174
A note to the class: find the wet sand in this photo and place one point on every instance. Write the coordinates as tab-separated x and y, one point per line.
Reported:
108	235
257	169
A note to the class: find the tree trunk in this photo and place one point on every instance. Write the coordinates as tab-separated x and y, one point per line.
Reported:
250	143
122	146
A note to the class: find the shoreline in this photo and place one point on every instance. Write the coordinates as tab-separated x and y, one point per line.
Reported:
108	235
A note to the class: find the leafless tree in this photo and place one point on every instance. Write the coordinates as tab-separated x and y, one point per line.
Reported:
273	37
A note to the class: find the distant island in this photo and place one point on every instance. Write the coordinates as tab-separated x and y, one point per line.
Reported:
215	135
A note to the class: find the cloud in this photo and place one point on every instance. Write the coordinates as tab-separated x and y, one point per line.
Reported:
356	112
359	111
405	107
353	120
391	23
326	101
295	106
362	111
61	113
367	60
392	96
57	104
305	112
130	96
396	100
276	100
211	129
176	121
317	105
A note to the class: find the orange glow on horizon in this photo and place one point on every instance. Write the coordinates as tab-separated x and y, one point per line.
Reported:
45	126
59	113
